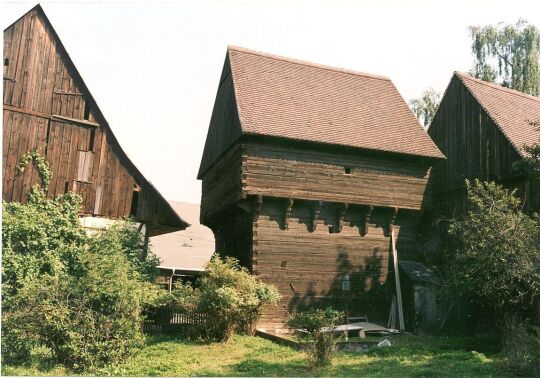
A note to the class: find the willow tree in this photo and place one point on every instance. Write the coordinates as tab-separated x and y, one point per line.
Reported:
425	107
508	55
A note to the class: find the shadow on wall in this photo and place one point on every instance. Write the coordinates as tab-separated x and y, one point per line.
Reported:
357	290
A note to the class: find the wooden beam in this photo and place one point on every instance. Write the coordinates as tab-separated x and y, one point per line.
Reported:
342	212
258	208
60	92
288	213
56	117
394	216
317	205
367	219
398	284
28	112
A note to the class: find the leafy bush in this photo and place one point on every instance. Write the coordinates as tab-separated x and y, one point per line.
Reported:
496	261
318	324
228	295
79	296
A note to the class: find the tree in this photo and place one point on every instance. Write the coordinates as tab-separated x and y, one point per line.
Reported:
508	55
497	259
425	107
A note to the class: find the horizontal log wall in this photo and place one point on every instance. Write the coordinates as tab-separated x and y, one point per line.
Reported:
221	184
308	266
318	175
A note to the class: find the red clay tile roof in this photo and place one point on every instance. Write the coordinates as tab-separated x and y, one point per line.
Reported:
514	112
298	100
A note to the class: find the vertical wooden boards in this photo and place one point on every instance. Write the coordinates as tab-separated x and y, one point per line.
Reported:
474	146
41	86
84	168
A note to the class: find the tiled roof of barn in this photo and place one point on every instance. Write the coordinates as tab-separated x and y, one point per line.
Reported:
517	114
287	98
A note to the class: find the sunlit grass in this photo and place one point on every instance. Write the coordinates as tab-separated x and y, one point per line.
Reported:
254	356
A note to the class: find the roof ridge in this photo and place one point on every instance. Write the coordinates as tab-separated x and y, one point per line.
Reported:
307	63
497	86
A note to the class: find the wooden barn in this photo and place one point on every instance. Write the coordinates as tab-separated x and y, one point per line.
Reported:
482	128
48	107
306	173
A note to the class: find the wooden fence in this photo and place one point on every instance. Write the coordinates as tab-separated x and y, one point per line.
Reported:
166	319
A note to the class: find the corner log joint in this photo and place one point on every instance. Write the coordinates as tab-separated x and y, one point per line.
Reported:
288	213
317	205
341	216
367	219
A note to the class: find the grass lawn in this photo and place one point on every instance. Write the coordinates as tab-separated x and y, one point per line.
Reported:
254	356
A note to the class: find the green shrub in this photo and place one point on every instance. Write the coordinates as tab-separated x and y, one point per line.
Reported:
317	323
227	295
82	297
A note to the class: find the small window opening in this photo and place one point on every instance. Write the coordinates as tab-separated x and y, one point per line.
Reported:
66	187
284	264
134	203
6	64
86	110
346	282
91	142
347	170
332	229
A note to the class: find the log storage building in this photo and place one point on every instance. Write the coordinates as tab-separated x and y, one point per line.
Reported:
306	173
48	107
482	129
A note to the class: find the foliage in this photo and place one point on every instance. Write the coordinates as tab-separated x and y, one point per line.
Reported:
79	296
125	237
508	54
41	164
229	296
41	237
318	323
497	257
425	107
530	164
257	357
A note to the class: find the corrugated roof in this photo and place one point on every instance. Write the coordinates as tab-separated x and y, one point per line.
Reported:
190	249
517	114
287	98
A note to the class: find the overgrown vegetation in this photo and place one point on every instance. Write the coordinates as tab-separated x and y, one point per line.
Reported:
497	262
230	298
80	297
319	324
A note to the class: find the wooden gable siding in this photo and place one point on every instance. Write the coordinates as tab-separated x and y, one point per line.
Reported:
225	126
473	144
48	107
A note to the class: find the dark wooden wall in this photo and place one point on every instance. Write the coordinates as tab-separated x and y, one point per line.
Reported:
297	219
47	107
473	145
315	174
271	169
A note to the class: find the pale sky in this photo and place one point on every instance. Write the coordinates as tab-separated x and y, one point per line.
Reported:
154	67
